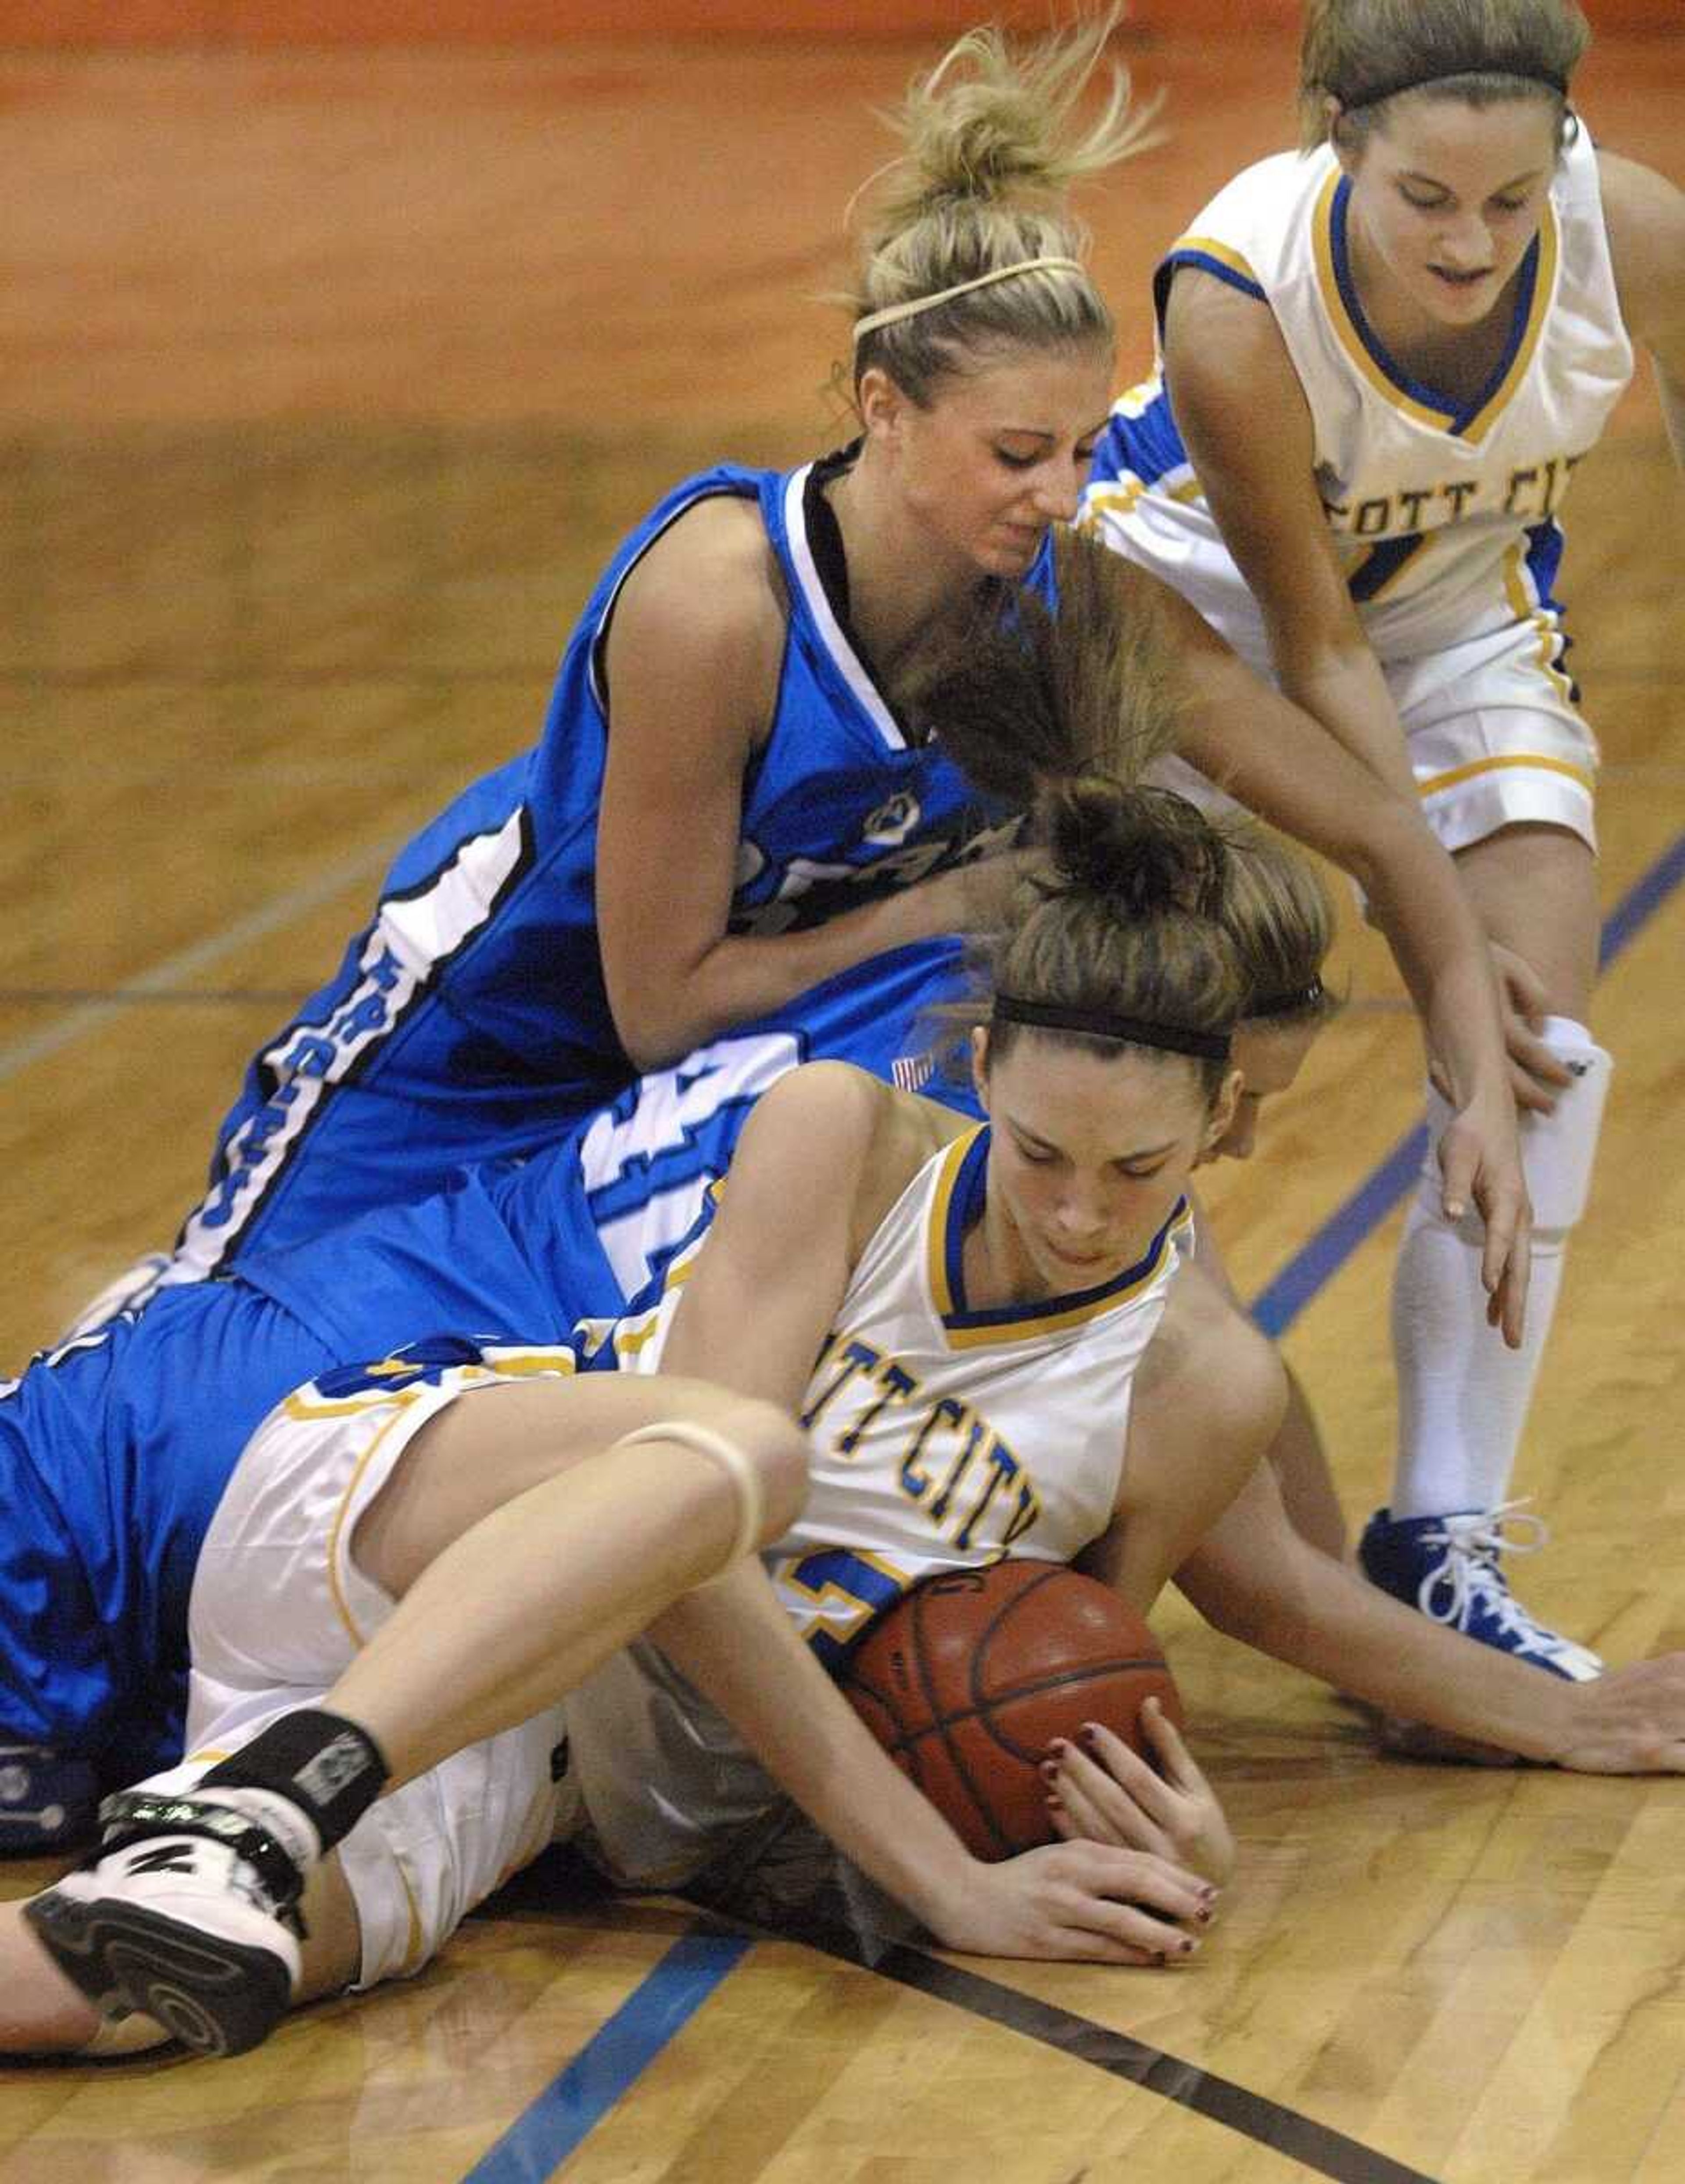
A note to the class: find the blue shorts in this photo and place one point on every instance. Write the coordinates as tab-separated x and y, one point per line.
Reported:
114	1454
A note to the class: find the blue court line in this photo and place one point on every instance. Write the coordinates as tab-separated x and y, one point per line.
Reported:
539	2141
1317	1262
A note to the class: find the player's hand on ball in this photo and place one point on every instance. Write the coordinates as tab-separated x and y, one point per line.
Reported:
1088	1902
1101	1792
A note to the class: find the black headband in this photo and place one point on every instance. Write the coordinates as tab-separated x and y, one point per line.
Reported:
1556	83
1286	1005
1103	1023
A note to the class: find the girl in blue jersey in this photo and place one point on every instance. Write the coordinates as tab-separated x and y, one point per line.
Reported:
1382	359
416	1559
728	804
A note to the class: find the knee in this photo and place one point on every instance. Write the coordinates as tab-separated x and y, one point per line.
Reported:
778	1451
754	1445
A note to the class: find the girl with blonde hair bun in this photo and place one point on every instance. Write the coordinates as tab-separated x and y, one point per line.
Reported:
513	1578
763	816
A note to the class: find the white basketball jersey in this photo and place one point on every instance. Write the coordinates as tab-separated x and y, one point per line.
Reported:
944	1437
1445	513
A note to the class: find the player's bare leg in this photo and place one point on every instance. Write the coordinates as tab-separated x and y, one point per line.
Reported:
588	1507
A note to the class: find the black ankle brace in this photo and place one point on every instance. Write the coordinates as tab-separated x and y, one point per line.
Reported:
327	1766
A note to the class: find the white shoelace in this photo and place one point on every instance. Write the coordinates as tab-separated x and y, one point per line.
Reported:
1470	1571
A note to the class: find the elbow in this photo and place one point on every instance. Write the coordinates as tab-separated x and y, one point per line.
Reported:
1387	847
656	1030
1220	1595
646	1052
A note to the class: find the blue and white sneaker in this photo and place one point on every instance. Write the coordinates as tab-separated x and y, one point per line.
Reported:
1447	1567
46	1799
186	1915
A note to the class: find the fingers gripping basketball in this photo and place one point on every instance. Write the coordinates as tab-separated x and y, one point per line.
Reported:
967	1681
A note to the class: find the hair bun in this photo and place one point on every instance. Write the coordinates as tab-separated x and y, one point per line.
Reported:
1142	850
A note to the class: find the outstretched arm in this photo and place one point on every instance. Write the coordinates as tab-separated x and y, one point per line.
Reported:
1276	760
756	1309
1645	216
1100	1901
1255	1580
1247	425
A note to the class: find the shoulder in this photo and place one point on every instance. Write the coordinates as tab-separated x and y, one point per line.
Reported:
1231	375
1218	332
828	1103
1254	205
830	1133
1644	215
709	583
1207	1346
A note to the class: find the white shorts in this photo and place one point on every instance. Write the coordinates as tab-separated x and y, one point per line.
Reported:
1494	735
278	1611
1495	738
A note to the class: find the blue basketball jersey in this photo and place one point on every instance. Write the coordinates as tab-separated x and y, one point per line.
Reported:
469	1021
523	1249
115	1451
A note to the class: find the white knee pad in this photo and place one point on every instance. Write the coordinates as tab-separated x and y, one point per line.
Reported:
1558	1150
739	1468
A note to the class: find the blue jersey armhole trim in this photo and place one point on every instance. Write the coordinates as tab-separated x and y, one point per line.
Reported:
1207	263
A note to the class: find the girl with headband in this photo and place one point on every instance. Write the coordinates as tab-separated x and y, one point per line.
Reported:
1382	359
993	1347
729	805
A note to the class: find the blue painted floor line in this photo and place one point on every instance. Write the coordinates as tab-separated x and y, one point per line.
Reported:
535	2145
539	2141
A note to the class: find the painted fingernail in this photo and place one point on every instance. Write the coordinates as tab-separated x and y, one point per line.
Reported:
1057	1746
1203	1914
1049	1770
1187	1945
1088	1734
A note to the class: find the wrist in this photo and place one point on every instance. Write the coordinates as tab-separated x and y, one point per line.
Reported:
943	1896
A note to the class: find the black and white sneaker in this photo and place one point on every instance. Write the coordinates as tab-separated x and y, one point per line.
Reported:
188	1914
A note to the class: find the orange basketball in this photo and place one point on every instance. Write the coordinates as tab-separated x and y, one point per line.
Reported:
967	1681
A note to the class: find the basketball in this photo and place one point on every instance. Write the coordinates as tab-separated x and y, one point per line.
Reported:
967	1681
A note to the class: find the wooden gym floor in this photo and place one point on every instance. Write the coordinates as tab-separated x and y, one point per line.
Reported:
328	381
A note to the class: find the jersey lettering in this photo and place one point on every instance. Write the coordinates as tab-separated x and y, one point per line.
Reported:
834	1594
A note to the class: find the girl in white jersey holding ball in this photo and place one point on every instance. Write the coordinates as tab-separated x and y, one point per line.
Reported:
1382	359
993	1347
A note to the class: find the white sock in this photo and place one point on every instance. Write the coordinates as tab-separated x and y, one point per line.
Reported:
1464	1396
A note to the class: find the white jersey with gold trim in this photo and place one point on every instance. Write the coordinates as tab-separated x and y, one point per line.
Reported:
944	1437
1445	513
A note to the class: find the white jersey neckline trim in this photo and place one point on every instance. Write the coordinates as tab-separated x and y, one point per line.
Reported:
850	664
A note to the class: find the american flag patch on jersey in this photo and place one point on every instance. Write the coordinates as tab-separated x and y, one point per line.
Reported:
910	1072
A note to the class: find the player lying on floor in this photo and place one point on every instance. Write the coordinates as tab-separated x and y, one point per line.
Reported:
401	1579
110	1483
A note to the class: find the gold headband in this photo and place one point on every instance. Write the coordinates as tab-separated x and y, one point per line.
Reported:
893	312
